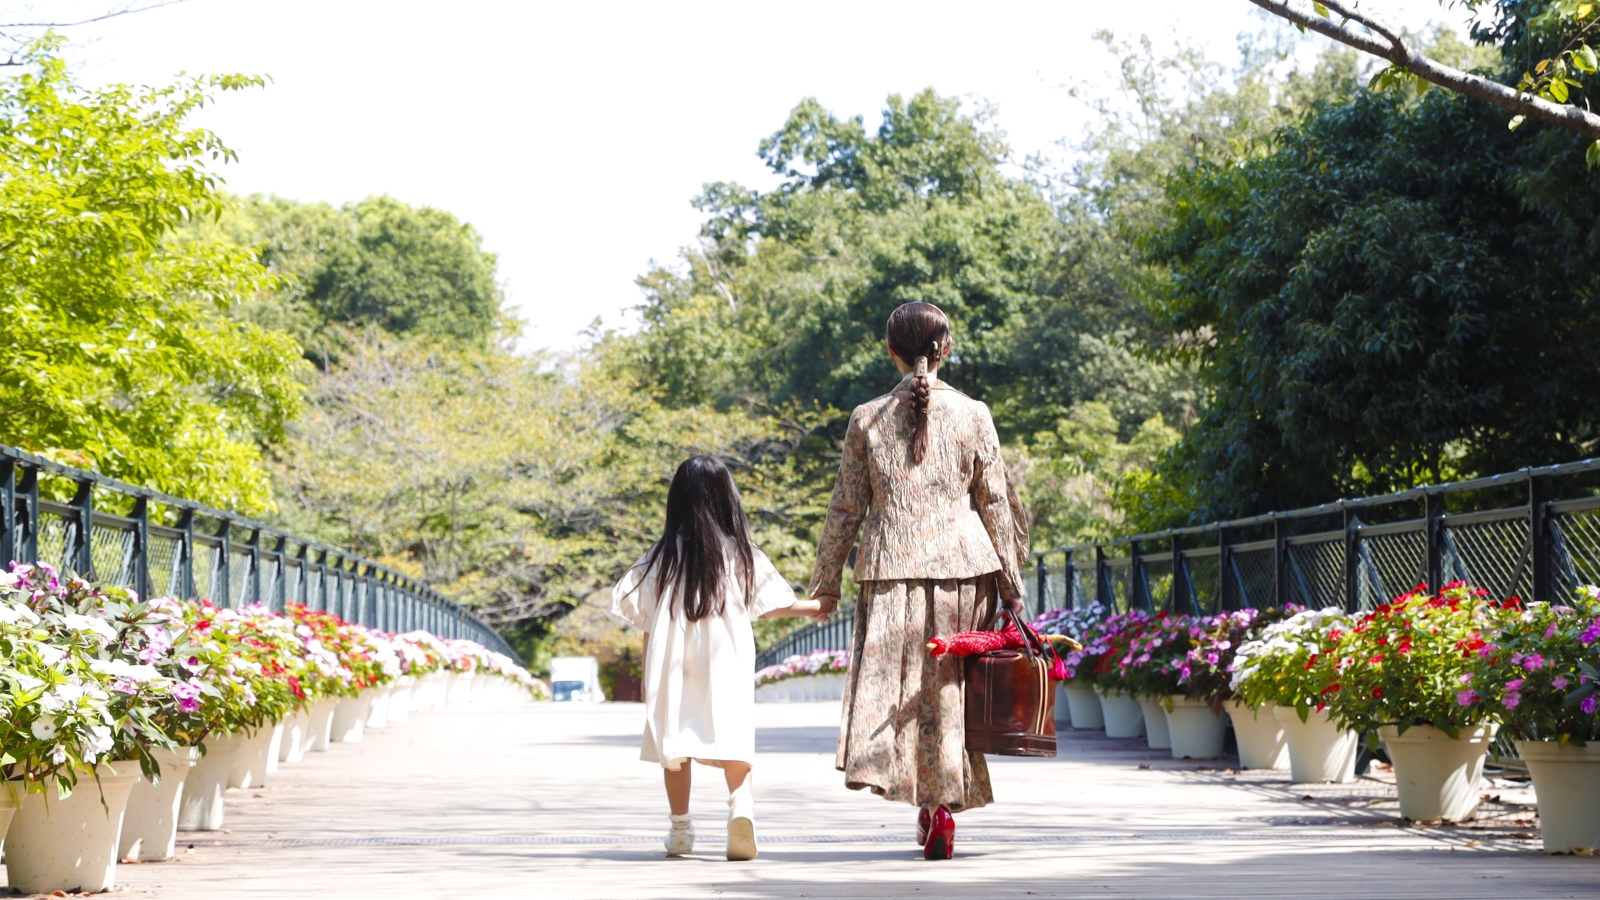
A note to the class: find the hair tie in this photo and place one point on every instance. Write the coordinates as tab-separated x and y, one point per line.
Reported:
922	367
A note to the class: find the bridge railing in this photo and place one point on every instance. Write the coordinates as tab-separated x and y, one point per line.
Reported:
1533	533
161	545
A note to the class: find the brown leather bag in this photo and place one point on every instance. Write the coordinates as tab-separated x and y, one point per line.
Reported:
1011	703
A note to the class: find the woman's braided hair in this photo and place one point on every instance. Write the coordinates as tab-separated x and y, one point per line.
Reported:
917	333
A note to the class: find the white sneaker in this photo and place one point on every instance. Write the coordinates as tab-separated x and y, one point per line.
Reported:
741	823
680	840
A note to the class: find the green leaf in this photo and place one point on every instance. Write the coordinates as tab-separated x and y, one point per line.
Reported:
1585	59
1320	9
1592	155
1558	90
1516	122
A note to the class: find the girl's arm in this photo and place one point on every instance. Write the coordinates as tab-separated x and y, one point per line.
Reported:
810	608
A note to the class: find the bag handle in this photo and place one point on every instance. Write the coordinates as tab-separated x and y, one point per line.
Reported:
1031	642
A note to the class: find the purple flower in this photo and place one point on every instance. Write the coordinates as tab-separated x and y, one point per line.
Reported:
1590	634
1467	698
1560	682
1533	663
1589	704
1514	684
1550	632
1512	700
187	693
1465	679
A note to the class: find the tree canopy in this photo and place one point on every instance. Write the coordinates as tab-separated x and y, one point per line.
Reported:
120	353
1388	292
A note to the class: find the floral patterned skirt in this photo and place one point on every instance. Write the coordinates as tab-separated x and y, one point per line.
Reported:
903	732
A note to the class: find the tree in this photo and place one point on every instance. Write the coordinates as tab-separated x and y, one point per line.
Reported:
784	300
1388	293
1548	39
408	270
120	354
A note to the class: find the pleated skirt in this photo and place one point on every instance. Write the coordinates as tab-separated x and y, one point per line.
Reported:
903	730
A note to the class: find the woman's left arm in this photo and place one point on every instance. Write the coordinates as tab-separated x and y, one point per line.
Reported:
991	497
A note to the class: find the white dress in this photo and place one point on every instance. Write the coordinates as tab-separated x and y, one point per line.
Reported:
699	677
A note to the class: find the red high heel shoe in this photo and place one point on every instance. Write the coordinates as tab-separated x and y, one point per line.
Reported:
924	819
941	835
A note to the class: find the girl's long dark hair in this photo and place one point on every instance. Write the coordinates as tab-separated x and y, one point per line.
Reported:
918	329
703	512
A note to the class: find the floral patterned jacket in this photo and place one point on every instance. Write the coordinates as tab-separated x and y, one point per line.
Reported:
948	517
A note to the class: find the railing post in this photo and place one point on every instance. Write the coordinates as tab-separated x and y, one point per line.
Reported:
1138	591
222	595
1042	579
28	490
1183	600
1433	533
80	556
280	587
1539	543
1352	560
141	547
186	570
253	584
8	512
1225	598
1102	581
1280	561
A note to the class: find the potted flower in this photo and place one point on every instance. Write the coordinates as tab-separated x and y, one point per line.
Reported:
1194	716
1075	695
1286	670
1146	661
1410	670
818	675
1124	717
1542	682
77	706
1208	678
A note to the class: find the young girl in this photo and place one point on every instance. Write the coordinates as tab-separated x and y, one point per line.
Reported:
694	594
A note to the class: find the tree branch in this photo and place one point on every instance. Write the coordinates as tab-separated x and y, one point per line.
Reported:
127	10
1385	46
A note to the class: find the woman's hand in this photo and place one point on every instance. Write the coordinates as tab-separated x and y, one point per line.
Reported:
1017	607
829	603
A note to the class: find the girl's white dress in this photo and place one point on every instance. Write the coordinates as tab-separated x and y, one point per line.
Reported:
699	677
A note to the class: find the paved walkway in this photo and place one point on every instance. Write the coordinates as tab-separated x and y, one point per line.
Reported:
542	801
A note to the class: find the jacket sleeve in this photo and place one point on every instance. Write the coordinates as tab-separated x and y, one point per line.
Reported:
852	495
991	495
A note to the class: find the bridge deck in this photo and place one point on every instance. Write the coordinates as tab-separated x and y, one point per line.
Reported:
548	801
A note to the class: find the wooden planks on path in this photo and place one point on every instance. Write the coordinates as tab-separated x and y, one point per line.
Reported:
539	800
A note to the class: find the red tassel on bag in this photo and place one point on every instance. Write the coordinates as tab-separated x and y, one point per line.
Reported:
969	643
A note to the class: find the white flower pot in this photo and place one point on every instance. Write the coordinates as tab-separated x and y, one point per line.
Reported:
250	762
10	792
805	688
1566	781
350	719
461	687
378	708
1083	705
400	699
1196	730
321	724
1260	736
150	826
1156	733
1124	718
200	803
1318	750
71	844
275	747
1437	776
296	738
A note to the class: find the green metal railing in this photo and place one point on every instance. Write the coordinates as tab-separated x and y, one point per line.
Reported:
160	545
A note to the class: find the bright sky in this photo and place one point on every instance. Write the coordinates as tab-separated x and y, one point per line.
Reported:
573	135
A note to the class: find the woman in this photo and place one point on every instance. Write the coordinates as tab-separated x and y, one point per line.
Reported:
922	469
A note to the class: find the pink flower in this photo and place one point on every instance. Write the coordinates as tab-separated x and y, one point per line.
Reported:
1550	632
1514	684
1533	663
1467	698
1560	682
187	693
1512	700
1466	679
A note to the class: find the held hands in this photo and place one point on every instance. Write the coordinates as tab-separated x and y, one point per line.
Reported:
826	605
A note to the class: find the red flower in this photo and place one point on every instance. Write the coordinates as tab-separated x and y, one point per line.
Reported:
1377	692
294	685
1311	662
1375	658
1328	690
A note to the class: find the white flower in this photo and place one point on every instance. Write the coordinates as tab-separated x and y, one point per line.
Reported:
12	613
50	655
118	668
44	728
99	742
27	682
90	625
